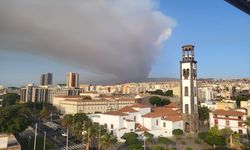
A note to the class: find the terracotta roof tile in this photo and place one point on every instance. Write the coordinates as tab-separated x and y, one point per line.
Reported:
140	128
139	106
228	112
116	113
128	109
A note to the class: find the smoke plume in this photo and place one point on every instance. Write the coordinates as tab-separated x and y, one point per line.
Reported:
117	37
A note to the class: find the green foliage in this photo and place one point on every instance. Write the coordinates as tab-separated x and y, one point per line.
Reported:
183	142
164	140
188	148
203	113
131	138
177	132
169	93
67	120
155	100
202	135
214	131
24	141
149	136
215	140
158	148
156	92
160	92
10	99
240	98
107	140
135	147
14	119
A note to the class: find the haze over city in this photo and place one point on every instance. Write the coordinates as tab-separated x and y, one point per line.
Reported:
113	45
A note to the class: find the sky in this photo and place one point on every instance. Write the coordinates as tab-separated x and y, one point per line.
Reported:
151	45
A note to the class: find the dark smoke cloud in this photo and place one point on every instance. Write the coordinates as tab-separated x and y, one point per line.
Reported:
117	37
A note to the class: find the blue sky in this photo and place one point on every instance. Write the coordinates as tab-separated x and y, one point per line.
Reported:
219	31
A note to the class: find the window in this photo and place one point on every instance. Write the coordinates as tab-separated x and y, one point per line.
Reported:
239	117
227	123
186	109
239	124
157	122
185	73
164	124
186	91
195	91
240	131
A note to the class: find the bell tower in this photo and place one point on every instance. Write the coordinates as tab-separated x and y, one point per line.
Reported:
189	90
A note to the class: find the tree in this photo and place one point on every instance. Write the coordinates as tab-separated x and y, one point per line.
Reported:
44	113
226	133
107	140
67	121
203	114
131	138
164	140
149	136
14	119
247	124
135	147
155	100
177	132
169	93
10	99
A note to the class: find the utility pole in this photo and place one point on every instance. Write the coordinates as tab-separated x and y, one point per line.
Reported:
29	143
35	137
44	141
67	141
88	137
99	143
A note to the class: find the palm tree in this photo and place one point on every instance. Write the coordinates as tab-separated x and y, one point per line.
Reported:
67	121
107	140
247	124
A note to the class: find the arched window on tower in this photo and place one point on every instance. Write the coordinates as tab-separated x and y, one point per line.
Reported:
185	73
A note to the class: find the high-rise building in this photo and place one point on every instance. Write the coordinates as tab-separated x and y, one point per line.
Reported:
26	93
189	90
1	95
46	79
73	80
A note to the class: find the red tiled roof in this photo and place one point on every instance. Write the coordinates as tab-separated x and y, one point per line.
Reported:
116	113
140	128
128	109
139	106
228	112
172	114
173	118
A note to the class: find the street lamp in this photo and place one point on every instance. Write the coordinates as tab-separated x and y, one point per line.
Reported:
144	138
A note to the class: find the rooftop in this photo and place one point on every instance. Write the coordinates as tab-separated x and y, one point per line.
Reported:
228	112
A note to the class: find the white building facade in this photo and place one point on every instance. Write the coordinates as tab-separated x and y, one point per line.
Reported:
232	119
160	121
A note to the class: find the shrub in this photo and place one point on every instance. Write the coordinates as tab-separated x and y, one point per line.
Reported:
135	147
183	142
177	132
203	135
158	148
164	140
131	138
189	148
